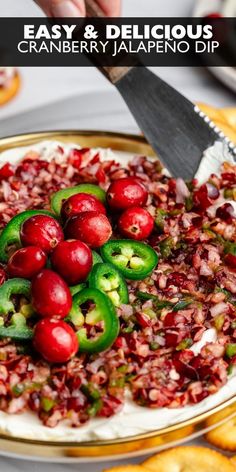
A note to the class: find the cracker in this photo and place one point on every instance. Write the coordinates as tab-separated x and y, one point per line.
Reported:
6	94
229	115
224	436
126	468
189	458
227	130
224	118
233	461
211	112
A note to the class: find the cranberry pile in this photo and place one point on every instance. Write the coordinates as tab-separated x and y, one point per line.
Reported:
192	290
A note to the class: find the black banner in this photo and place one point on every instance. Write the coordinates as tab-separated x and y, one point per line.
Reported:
118	42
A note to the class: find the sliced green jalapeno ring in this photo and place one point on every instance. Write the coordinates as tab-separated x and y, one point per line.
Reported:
134	259
17	329
96	258
8	289
76	289
102	311
64	194
11	233
108	279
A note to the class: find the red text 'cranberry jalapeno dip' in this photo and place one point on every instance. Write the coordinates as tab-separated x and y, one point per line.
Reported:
118	289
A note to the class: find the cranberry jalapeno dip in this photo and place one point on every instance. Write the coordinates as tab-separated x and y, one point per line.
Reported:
129	276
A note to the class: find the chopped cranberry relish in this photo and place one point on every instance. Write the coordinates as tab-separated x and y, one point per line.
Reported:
192	290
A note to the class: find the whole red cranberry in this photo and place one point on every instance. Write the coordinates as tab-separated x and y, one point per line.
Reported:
136	223
26	262
55	340
79	203
125	193
226	213
42	231
73	261
91	227
51	296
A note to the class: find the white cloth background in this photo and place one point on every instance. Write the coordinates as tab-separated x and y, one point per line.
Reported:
47	85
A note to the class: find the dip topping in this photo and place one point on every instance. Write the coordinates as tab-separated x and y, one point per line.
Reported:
153	314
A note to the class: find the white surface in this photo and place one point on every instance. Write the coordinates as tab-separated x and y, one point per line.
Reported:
133	419
46	85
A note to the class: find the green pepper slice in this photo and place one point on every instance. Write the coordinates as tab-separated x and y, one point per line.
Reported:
8	289
134	259
96	258
101	310
76	289
11	233
17	330
107	279
64	194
